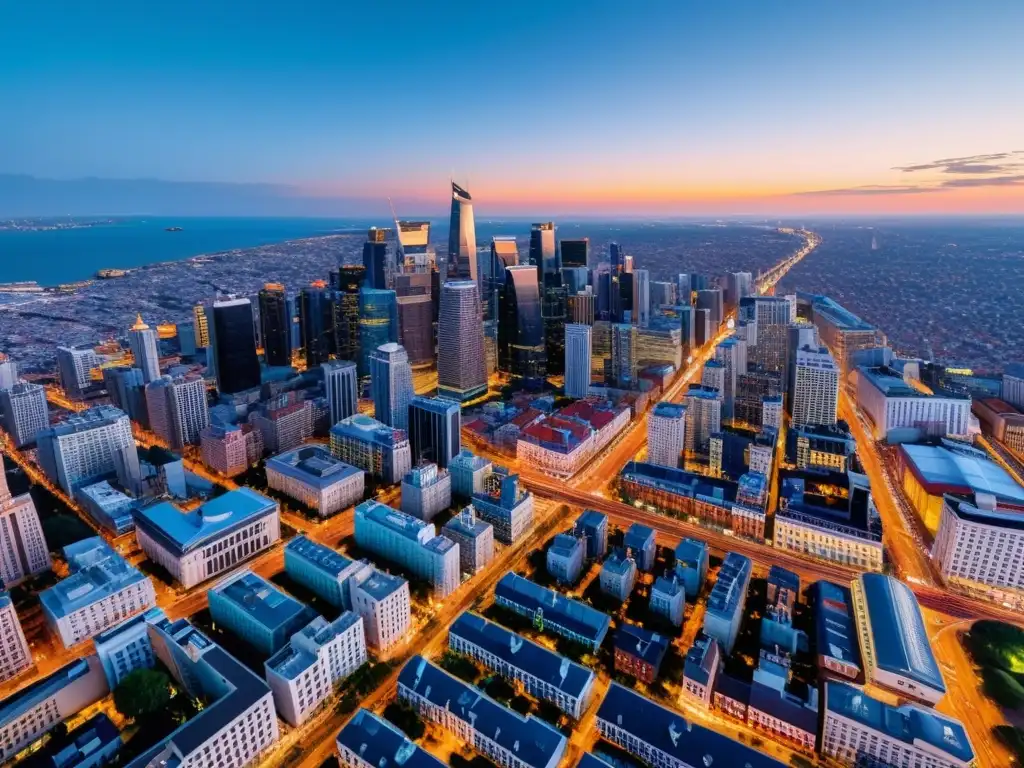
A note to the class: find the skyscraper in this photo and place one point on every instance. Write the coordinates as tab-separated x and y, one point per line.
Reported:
684	288
575	253
143	343
461	371
575	279
341	386
377	259
521	349
666	434
24	411
554	305
663	294
703	417
543	254
642	297
391	383
771	314
434	430
623	360
798	336
462	237
177	409
702	329
235	363
317	312
8	372
732	354
86	447
415	318
815	394
378	323
581	309
618	257
737	286
414	252
577	359
275	325
712	299
74	367
201	326
23	550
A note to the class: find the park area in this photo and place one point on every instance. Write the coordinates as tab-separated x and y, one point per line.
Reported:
998	650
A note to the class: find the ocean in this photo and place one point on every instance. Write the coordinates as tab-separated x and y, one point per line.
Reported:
67	255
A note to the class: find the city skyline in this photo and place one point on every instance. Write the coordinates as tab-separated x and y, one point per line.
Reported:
681	110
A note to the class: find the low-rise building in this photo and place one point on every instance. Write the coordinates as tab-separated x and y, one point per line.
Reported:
640	541
255	610
668	599
368	741
474	537
198	545
835	630
980	543
230	449
639	653
618	575
377	449
900	411
893	640
496	732
544	673
700	669
593	526
468	473
411	542
312	476
383	601
108	507
505	504
327	573
562	443
15	656
565	558
692	565
860	730
126	647
305	672
663	737
727	601
426	490
731	696
552	611
90	745
103	589
777	630
777	709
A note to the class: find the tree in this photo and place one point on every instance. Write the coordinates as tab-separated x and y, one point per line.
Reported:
62	530
142	692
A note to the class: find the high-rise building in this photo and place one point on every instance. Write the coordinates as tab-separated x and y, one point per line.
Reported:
414	293
712	300
232	336
575	253
87	447
521	349
414	252
663	294
577	359
462	237
377	449
275	325
426	491
474	537
201	326
666	434
581	308
346	311
624	356
143	342
798	336
641	297
317	313
702	329
461	371
553	309
504	254
378	323
23	550
391	384
617	257
732	354
24	411
74	367
623	310
703	417
127	646
383	601
341	385
543	253
771	314
575	279
256	611
377	259
684	289
434	430
177	409
8	372
737	286
15	655
816	387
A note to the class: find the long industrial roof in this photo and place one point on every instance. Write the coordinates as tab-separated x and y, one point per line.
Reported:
569	613
379	743
942	470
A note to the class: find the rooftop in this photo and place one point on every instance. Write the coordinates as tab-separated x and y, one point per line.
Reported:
380	743
889	382
670	410
29	697
532	740
668	731
97	572
400	522
572	614
313	465
638	535
702	392
945	469
564	545
835	633
667	586
524	654
261	600
323	558
592	517
182	532
639	642
366	429
730	588
1011	518
298	655
690	484
691	551
381	585
838	315
466	525
618	563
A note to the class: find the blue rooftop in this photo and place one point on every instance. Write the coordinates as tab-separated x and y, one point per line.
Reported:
638	536
321	557
898	633
668	731
368	430
184	531
666	586
670	410
838	315
908	724
571	614
460	524
524	654
1011	519
393	519
291	661
618	563
592	761
265	603
380	743
97	572
313	465
730	588
564	545
888	382
641	643
436	405
961	469
699	659
702	392
532	740
380	585
691	552
592	518
680	482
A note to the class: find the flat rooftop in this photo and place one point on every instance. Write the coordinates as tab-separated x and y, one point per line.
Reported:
321	557
312	465
97	572
942	470
261	600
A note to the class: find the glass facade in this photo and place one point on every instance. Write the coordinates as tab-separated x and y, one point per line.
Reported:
462	236
575	253
521	350
346	311
316	320
378	323
275	325
234	346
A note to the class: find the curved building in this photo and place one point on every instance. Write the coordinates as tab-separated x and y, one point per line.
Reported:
461	370
521	349
462	236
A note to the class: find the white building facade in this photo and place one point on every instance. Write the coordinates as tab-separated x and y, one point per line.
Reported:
666	434
816	387
980	543
577	359
15	656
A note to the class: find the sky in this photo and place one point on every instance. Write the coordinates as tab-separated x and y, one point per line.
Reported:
674	107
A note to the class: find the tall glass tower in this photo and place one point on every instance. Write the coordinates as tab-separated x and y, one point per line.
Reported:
316	318
346	311
521	350
543	253
461	368
275	324
377	259
378	323
233	341
462	237
391	385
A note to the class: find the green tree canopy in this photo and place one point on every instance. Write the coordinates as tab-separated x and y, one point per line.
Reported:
142	692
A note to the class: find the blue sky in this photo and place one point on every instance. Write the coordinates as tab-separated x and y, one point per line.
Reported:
591	101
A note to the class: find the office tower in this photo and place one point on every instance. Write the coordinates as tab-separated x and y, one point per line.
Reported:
414	252
74	367
256	611
684	289
700	282
285	422
461	372
86	447
470	474
1012	387
737	286
391	384
346	311
8	372
798	336
663	294
702	328
275	325
24	411
623	359
617	257
712	376
581	309
543	253
815	387
627	264
575	279
23	550
575	253
234	361
504	254
752	388
712	300
341	385
426	491
687	326
434	430
666	434
414	294
378	323
601	283
177	409
15	655
521	349
732	354
186	338
317	313
553	309
101	590
143	342
462	237
641	297
377	259
623	309
771	314
577	360
201	326
378	450
703	417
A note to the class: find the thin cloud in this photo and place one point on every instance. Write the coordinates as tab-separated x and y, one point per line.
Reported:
869	190
996	181
972	164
